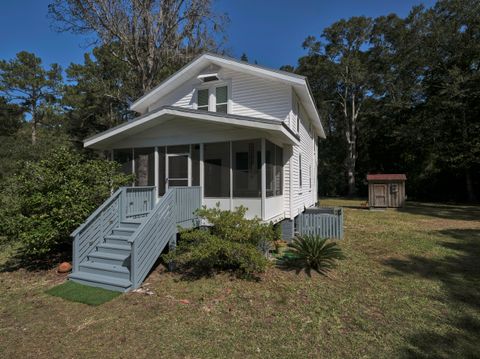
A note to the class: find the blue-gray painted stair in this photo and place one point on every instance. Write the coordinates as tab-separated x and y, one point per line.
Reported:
119	243
108	265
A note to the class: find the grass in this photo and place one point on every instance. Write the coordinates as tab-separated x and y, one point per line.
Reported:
409	288
76	292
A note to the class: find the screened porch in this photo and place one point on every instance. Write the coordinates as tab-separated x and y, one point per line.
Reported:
231	173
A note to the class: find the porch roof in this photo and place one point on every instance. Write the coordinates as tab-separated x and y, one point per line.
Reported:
165	113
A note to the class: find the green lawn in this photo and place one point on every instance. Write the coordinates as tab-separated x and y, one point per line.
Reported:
409	288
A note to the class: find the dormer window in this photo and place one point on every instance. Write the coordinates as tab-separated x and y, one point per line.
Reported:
221	95
202	100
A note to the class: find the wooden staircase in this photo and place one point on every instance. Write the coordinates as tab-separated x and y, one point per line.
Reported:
108	265
119	243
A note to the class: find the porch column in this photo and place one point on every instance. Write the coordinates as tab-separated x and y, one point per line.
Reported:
264	179
157	180
202	174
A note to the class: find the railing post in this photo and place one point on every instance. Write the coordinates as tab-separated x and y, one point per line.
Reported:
75	253
133	264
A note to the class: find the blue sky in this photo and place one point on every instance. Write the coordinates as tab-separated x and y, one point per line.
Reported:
269	31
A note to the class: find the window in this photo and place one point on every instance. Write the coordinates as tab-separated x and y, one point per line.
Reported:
247	167
202	99
296	110
221	95
310	177
144	166
216	157
300	184
274	169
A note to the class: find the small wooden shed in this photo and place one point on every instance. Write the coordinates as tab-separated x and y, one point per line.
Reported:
386	190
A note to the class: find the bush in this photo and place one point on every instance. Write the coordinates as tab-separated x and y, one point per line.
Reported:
46	200
230	243
312	252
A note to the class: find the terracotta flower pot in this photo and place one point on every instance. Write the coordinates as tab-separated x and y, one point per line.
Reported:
64	267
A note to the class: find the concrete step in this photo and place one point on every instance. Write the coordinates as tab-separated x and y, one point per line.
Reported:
123	231
117	239
110	258
114	248
101	281
110	270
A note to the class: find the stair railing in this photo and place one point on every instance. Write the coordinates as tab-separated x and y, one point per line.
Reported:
176	207
125	203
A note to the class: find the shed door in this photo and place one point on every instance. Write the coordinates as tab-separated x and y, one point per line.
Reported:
380	194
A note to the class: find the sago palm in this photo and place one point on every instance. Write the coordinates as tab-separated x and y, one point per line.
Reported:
313	253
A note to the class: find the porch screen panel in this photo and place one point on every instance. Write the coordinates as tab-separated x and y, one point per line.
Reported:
216	157
278	171
124	157
196	165
247	168
270	168
274	169
161	171
144	166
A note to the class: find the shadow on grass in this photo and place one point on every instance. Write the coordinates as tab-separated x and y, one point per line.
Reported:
19	259
466	213
459	275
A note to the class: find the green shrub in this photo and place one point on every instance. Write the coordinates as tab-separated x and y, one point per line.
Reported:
46	200
231	242
312	253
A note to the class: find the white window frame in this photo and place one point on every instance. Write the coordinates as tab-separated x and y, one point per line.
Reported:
300	174
212	88
196	98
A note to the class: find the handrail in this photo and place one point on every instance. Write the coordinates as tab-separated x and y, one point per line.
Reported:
97	225
176	206
97	212
125	203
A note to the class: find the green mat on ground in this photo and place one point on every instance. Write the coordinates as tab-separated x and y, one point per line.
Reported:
82	294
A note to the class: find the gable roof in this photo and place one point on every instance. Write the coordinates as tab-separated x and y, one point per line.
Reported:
387	177
155	117
298	82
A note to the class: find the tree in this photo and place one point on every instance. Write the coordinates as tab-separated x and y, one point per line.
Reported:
24	82
40	208
348	64
244	57
98	95
11	118
154	37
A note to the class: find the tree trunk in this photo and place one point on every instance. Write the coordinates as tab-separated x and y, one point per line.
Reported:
351	169
469	186
34	131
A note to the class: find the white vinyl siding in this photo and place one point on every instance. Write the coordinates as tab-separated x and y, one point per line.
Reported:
250	95
303	196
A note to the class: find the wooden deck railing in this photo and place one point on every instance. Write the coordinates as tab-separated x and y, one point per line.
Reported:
323	222
175	208
125	203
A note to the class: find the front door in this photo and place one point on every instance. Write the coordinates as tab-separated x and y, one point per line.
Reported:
177	170
380	193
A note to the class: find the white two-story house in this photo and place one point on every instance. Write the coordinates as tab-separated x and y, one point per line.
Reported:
218	131
245	134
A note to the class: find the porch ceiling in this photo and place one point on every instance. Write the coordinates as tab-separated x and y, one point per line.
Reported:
115	135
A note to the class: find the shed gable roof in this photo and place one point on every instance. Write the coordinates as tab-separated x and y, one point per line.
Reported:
387	177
